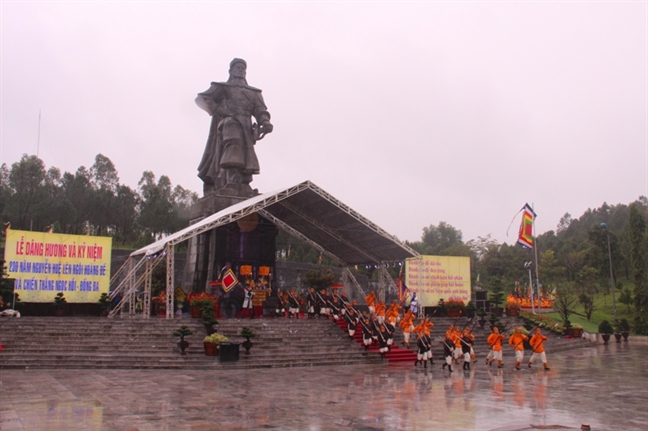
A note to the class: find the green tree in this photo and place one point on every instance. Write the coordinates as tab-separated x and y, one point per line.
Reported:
637	235
565	301
26	183
104	182
436	240
586	285
79	194
126	203
156	207
320	277
626	298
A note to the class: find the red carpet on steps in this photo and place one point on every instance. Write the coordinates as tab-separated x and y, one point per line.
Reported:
397	354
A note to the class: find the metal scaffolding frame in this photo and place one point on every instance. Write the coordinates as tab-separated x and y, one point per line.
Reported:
131	283
378	248
385	283
349	279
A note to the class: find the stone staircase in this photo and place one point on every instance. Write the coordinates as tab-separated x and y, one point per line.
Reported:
122	342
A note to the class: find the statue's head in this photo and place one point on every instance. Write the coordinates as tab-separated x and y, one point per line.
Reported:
237	69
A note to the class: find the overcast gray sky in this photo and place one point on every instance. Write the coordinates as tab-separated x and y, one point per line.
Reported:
411	113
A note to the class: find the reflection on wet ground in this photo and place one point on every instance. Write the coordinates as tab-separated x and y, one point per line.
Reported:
605	387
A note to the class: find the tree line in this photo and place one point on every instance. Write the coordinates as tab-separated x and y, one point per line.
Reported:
92	201
582	258
574	259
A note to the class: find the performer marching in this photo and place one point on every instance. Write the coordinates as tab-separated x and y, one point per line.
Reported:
367	332
407	325
351	319
293	307
495	345
311	302
371	302
448	348
516	341
389	330
322	300
466	347
334	305
536	342
382	336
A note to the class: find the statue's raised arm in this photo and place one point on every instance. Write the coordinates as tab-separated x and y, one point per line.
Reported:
229	160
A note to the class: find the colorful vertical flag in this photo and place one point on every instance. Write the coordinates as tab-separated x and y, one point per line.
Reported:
402	288
525	237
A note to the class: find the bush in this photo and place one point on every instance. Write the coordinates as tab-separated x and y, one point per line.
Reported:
247	333
623	326
606	328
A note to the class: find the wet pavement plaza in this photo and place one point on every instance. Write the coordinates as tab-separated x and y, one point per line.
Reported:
605	387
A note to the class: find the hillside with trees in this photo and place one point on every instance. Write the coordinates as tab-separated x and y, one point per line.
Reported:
584	258
92	201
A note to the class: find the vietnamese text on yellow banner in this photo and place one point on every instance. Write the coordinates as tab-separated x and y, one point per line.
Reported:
43	264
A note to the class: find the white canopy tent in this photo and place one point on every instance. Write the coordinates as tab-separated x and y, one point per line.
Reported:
304	211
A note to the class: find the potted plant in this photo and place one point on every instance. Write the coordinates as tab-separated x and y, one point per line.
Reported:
160	304
617	330
576	330
481	314
182	332
208	317
197	301
211	342
104	304
497	296
454	307
624	328
179	299
512	306
247	333
441	308
605	329
470	310
59	304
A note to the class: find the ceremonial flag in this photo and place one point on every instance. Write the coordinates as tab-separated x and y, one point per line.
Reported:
229	280
402	290
525	237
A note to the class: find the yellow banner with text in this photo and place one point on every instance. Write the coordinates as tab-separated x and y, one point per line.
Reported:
44	264
436	277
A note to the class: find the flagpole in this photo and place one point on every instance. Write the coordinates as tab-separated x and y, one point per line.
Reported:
535	252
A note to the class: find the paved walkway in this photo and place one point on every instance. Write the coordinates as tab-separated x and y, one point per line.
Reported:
604	386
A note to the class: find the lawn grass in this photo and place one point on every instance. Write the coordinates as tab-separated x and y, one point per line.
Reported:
603	310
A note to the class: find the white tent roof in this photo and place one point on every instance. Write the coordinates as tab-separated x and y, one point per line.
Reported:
311	214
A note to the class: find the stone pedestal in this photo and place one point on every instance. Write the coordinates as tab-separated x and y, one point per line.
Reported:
250	241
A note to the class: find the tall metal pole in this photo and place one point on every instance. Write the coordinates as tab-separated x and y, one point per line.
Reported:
535	254
529	265
611	271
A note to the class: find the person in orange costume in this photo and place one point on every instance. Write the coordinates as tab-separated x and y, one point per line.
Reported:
495	344
456	337
371	302
393	312
517	342
381	308
407	325
538	349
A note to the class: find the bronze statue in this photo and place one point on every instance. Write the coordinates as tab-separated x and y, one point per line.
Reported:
229	160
